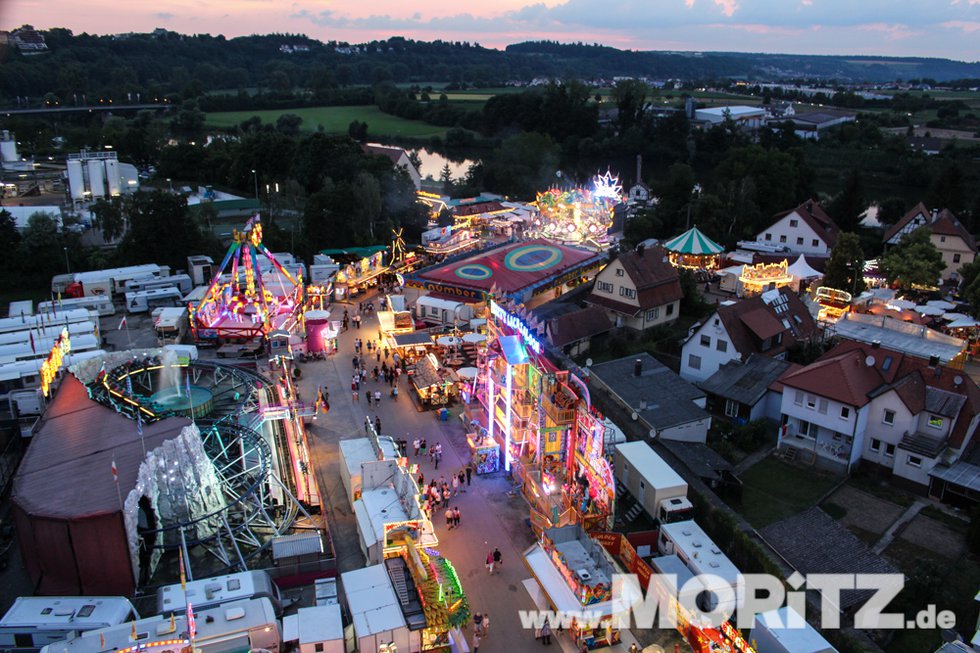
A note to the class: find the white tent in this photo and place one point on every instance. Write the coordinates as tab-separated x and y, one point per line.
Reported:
964	323
928	310
941	303
802	271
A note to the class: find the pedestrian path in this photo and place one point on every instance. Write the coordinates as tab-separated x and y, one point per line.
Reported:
902	521
490	517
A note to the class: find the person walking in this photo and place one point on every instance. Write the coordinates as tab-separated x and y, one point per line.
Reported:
478	623
456	516
486	624
377	420
438	455
634	648
449	519
422	448
455	485
369	399
461	481
415	446
377	397
497	560
476	643
469	473
490	562
445	496
546	632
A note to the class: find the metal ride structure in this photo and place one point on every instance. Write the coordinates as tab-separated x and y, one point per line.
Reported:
243	303
245	495
579	215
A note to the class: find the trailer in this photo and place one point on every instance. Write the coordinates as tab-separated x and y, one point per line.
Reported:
319	629
212	592
181	282
39	349
201	269
101	304
36	621
21	308
115	277
170	324
442	312
40	321
146	300
51	331
652	482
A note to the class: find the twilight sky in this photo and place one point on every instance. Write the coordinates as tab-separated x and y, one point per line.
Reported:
940	28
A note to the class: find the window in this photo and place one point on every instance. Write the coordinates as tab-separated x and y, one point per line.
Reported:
620	272
794	223
782	239
888	417
875	445
318	647
705	341
629	293
811	402
956	258
23	640
845	412
799	241
890	450
914	461
605	287
670	309
721	345
807	430
731	408
768	236
822	406
798	398
694	362
815	242
935	421
653	314
942	239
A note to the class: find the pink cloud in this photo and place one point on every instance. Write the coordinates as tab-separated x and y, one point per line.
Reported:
962	25
758	28
728	7
892	31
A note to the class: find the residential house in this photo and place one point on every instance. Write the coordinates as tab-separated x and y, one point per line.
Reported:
743	392
866	404
652	394
573	331
28	41
767	324
950	237
807	229
399	157
743	116
639	289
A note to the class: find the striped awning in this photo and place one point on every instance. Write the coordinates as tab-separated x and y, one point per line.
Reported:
694	242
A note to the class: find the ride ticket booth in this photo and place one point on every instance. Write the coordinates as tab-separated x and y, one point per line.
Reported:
484	452
575	576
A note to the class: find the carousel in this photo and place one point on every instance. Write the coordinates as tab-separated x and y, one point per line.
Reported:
693	250
578	216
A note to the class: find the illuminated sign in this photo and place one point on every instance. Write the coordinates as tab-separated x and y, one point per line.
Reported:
51	365
515	323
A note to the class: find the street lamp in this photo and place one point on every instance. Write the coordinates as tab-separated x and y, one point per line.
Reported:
67	263
171	182
255	177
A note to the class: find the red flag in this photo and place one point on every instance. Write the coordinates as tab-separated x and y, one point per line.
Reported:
115	472
122	324
191	624
31	334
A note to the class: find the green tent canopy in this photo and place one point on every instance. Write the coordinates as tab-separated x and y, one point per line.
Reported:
359	252
693	243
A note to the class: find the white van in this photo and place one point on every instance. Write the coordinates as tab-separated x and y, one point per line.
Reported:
442	312
36	621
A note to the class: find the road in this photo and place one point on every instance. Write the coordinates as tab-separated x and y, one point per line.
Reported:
490	516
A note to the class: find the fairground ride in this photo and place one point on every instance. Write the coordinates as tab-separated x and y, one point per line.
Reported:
579	215
242	303
229	492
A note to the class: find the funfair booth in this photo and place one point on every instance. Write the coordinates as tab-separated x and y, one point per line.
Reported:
693	250
541	417
580	216
757	279
244	303
576	575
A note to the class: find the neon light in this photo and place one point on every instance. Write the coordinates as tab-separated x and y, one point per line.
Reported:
492	407
516	324
509	424
51	365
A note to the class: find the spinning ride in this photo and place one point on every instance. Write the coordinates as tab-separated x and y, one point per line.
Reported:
579	215
245	303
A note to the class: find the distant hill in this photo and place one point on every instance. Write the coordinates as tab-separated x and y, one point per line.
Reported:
163	62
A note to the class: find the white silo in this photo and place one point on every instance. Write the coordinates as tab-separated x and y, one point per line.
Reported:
112	176
96	177
76	181
8	147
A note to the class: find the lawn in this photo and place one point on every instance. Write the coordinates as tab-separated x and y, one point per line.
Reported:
335	120
774	490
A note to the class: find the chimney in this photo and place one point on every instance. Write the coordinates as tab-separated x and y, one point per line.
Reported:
933	361
809	207
875	344
640	249
935	214
639	168
637	367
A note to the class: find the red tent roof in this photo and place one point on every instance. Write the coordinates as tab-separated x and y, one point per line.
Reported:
511	268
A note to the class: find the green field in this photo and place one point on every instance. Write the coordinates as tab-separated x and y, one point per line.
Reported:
773	490
335	120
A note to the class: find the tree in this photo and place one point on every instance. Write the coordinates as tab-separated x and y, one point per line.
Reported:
11	236
160	230
41	245
845	267
848	205
915	261
108	216
630	96
289	123
446	179
358	130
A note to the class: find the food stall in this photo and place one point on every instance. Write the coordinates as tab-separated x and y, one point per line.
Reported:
484	452
757	279
394	323
435	385
410	347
